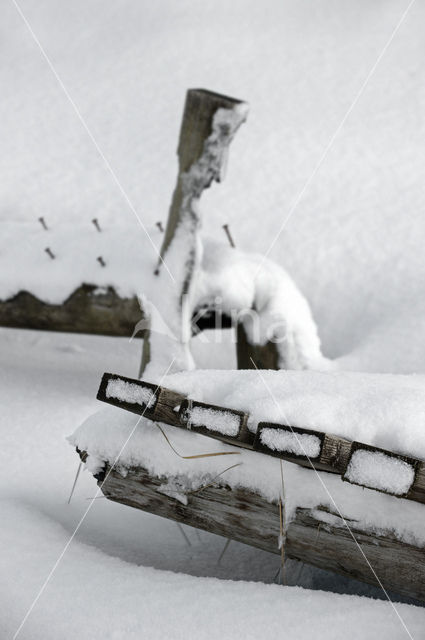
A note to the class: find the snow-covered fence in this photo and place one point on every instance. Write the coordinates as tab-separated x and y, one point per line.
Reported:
274	325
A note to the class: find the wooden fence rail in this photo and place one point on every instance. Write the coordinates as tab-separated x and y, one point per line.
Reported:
309	448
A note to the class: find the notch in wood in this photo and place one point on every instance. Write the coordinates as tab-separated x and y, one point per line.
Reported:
212	420
128	393
381	470
283	441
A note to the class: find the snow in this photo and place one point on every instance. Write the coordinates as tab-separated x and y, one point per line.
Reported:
135	570
130	392
95	594
300	444
241	282
353	245
380	471
224	422
386	411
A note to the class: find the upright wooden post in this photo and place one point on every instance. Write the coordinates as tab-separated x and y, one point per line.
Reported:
202	150
210	121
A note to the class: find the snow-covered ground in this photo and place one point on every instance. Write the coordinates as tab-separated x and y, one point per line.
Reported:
127	574
354	245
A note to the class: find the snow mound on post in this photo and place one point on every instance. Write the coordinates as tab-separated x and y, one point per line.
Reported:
265	299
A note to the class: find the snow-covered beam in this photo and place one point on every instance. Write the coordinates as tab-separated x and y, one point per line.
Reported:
357	463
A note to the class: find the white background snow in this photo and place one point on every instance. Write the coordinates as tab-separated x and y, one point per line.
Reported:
354	245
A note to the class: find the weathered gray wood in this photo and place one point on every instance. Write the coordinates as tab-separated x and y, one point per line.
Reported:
247	517
202	152
89	309
197	124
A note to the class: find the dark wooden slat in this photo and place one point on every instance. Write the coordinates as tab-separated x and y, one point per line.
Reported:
335	452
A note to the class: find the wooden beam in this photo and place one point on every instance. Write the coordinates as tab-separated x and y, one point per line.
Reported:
314	536
89	309
334	455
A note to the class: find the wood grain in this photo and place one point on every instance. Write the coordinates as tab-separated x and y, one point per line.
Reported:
314	536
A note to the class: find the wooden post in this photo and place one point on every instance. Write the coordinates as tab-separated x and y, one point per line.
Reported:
209	123
251	356
201	152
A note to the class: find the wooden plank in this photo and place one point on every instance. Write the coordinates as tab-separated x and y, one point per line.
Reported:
314	536
89	309
335	452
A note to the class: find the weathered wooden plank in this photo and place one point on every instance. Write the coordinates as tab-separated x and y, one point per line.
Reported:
314	536
334	455
89	309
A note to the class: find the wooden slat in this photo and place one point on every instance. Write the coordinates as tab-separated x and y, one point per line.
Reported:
246	516
335	452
